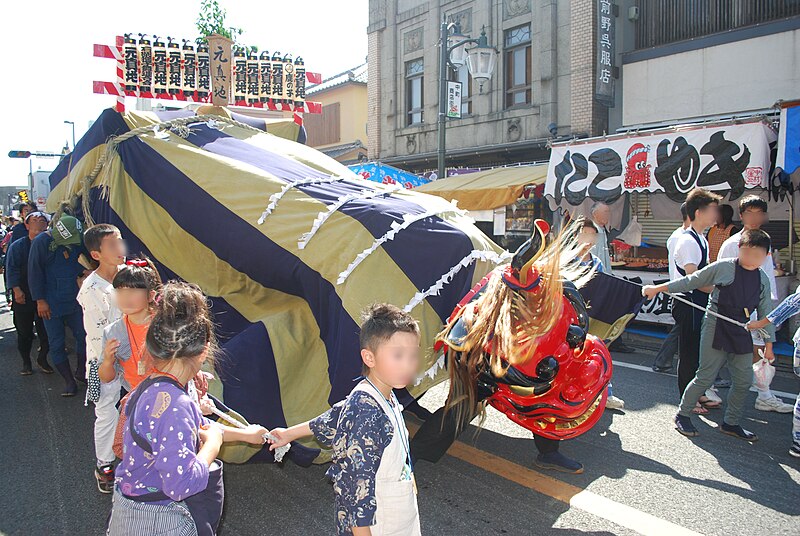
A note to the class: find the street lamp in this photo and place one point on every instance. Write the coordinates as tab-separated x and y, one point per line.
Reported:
73	132
480	61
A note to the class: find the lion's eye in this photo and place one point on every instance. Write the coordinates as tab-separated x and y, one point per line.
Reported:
576	336
547	368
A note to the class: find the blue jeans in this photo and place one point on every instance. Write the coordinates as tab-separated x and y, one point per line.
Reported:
57	334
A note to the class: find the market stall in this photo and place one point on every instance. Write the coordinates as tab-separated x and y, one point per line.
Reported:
645	176
505	201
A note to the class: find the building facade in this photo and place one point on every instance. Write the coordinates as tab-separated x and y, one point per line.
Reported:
571	68
511	118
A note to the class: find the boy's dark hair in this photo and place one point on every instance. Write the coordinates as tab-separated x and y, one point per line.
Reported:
684	214
94	235
755	238
182	326
379	322
699	198
138	273
752	201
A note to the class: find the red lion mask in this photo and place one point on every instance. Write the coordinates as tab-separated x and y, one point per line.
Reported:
556	386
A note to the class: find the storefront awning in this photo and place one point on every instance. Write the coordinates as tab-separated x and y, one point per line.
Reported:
485	190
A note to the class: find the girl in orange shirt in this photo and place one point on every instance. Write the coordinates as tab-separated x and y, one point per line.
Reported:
136	286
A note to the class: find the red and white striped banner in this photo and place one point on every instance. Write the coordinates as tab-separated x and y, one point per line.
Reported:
118	90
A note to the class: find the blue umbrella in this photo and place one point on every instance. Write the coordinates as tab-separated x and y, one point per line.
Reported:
386	174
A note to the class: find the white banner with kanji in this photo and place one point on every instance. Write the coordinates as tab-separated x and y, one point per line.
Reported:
724	159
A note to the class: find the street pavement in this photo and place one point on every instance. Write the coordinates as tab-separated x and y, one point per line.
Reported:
641	476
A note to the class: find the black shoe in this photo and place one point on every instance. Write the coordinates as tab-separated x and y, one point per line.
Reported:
105	478
26	370
685	426
558	462
794	450
738	431
662	370
42	362
722	383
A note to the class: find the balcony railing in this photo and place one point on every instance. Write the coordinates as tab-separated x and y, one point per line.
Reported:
667	21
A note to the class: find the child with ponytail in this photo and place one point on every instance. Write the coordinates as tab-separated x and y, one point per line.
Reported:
169	481
136	286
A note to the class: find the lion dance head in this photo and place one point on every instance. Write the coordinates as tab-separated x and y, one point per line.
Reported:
519	341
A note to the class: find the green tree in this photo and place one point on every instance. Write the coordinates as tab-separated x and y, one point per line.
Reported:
211	20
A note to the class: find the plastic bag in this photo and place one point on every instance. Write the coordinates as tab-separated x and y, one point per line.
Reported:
763	372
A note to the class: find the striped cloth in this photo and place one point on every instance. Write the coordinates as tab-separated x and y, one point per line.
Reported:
131	517
288	328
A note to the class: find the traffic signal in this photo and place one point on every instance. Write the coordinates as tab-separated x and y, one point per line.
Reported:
23	196
19	154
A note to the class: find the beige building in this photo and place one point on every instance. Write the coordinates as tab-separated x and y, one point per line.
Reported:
341	130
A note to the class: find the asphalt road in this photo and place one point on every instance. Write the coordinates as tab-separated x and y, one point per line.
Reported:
641	476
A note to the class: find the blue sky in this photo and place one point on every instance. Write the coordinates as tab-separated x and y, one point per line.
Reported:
49	68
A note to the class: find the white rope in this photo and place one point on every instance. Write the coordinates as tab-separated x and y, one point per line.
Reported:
274	198
279	452
394	229
323	216
761	331
437	287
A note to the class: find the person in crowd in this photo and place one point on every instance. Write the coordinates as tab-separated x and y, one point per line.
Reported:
372	468
739	286
168	481
666	354
587	237
54	271
600	214
18	230
691	255
24	306
787	308
720	231
753	213
96	298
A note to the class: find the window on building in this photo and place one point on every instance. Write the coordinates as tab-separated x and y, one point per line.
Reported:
462	75
414	87
517	66
325	128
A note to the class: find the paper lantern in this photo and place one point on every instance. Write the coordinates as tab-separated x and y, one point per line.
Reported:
203	71
130	57
174	64
159	66
145	64
265	77
239	75
189	69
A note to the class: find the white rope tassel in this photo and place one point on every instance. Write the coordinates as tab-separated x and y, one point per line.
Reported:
279	452
323	216
274	198
395	228
486	256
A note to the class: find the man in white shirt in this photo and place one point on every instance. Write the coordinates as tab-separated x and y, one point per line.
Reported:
753	213
663	361
690	255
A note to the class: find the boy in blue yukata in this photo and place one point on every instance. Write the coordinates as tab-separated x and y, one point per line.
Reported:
787	308
372	473
53	274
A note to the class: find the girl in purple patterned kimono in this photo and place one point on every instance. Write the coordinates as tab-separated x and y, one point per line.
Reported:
169	480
